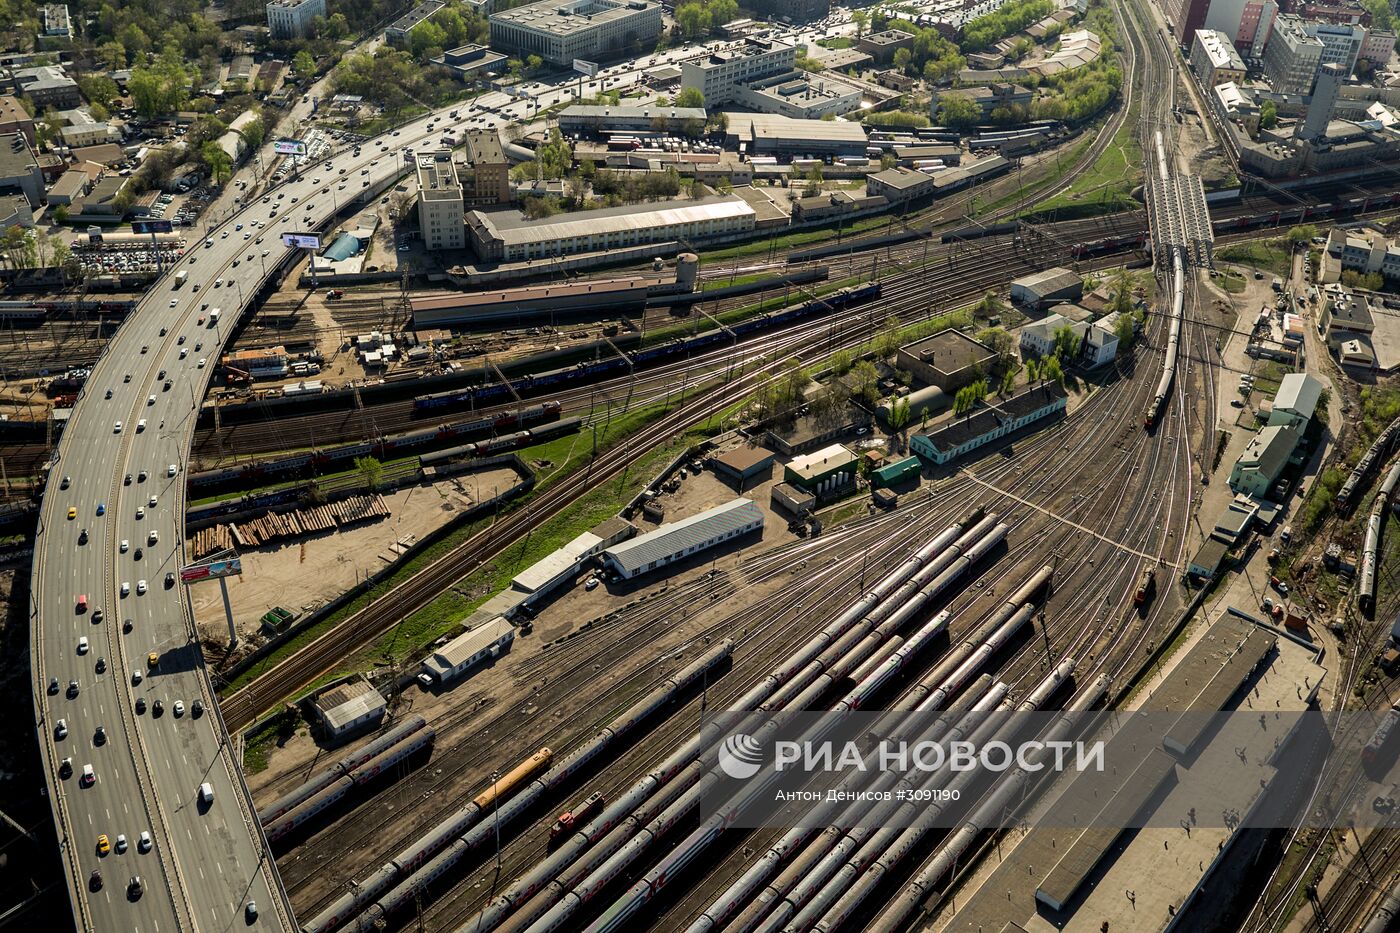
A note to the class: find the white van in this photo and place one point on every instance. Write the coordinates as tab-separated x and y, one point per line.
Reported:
206	793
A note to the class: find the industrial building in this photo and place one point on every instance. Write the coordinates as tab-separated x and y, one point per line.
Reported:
441	209
560	31
1295	401
396	33
792	500
681	539
265	363
1345	315
892	474
349	708
984	425
988	97
772	134
744	466
719	74
949	359
592	119
1263	461
1214	59
551	302
798	96
899	185
1048	287
291	19
508	236
469	649
823	472
547	574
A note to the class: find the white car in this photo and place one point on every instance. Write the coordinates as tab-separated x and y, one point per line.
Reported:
125	545
184	352
150	400
179	707
143	842
140	511
152	503
137	677
83	645
174	302
202	361
140	587
126	588
171	470
117	428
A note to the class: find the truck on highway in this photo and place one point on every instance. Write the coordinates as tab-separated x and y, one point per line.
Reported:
214	317
180	278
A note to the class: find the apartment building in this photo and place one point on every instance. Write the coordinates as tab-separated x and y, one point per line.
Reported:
1214	59
486	177
291	19
1292	57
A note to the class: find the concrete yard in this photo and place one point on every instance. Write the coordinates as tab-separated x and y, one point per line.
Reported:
321	567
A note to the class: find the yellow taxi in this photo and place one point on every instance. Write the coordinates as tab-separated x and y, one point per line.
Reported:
152	659
72	512
104	845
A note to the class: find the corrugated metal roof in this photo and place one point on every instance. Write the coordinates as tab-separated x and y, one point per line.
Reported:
1049	281
468	644
1298	392
672	539
505	225
349	702
898	469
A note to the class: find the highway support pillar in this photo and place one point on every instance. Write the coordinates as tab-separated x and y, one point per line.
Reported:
228	613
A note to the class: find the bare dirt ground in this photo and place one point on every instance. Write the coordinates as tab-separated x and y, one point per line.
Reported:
301	575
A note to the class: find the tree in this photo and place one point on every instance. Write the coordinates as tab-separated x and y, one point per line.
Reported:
814	181
1001	342
691	97
1123	293
958	112
534	64
864	380
903	58
1008	381
60	213
159	89
887	341
1066	343
1125	330
1053	371
1301	234
899	415
337	27
862	20
841	362
112	54
1268	115
220	165
370	470
988	306
254	133
303	65
693	19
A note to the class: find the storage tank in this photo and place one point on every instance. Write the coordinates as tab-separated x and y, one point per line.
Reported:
929	399
687	271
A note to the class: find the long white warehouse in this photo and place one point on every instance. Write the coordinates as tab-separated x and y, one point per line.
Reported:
678	540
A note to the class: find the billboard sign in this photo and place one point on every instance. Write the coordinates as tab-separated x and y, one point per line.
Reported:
211	570
587	68
151	226
292	147
301	240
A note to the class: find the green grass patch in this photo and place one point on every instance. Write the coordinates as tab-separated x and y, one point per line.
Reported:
566	454
801	238
328	482
257	745
1231	281
836	42
1267	255
1062	166
1106	186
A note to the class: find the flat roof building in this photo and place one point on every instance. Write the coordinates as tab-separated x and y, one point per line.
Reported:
899	185
949	359
719	74
441	208
680	539
470	61
824	471
56	22
396	34
15	119
593	30
508	236
349	708
486	177
291	19
744	465
19	170
881	46
774	134
592	119
1292	57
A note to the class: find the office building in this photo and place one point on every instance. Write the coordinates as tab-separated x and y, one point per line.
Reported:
1292	57
1214	58
441	208
396	34
508	236
1377	47
291	19
46	86
472	61
1255	25
988	97
949	359
15	119
1364	251
19	170
719	74
881	46
592	30
1341	43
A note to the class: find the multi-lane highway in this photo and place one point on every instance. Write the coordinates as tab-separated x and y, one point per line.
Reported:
207	865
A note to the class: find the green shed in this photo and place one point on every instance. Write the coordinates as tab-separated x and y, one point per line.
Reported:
892	474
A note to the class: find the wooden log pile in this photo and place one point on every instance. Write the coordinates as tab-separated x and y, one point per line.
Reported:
275	526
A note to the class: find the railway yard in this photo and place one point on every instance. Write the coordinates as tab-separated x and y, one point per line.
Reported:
495	620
